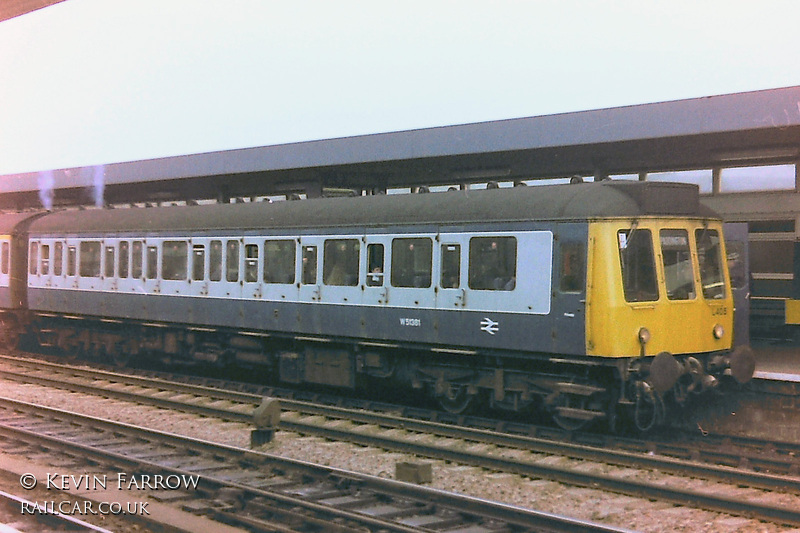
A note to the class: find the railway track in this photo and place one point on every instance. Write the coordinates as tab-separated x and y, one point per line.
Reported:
258	491
19	514
308	418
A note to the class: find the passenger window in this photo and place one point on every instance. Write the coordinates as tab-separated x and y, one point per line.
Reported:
375	265
123	259
638	266
493	263
33	259
677	259
198	262
711	273
136	259
232	261
279	261
411	262
451	266
572	277
58	259
5	256
90	259
152	262
72	261
251	263
45	259
215	261
174	258
309	265
109	269
340	262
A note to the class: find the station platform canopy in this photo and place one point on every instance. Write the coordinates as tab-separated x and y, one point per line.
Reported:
742	129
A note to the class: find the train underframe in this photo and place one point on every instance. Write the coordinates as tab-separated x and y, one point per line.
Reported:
576	392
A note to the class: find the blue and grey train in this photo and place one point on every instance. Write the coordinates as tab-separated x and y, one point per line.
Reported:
594	302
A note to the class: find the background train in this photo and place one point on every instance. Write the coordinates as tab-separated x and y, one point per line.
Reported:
593	301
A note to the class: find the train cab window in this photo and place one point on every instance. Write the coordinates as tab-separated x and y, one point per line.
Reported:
58	259
109	268
72	261
340	262
412	259
45	255
215	261
309	265
638	265
677	259
5	256
572	267
251	263
90	259
33	259
711	266
198	262
123	259
232	260
375	265
279	261
493	263
136	259
451	266
174	259
152	262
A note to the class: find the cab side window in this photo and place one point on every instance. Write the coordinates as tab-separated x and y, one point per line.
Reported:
572	267
711	265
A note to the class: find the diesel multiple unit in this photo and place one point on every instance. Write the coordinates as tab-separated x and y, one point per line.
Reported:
593	301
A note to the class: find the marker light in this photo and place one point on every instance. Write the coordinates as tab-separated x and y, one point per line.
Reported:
719	331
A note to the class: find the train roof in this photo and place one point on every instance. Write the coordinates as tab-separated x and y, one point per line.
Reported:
9	222
607	199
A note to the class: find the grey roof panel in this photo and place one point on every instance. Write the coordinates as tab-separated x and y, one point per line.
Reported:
555	202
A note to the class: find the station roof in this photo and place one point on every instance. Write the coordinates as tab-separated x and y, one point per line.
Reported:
760	127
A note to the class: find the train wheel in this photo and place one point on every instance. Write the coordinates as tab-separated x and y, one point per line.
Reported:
565	403
9	335
455	400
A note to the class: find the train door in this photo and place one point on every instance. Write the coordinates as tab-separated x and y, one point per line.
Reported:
308	269
199	256
451	284
376	258
109	275
569	296
252	272
736	245
150	266
230	284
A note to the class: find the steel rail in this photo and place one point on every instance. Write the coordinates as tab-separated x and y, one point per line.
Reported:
518	518
663	464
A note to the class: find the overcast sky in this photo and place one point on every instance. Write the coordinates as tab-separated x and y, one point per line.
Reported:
89	82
